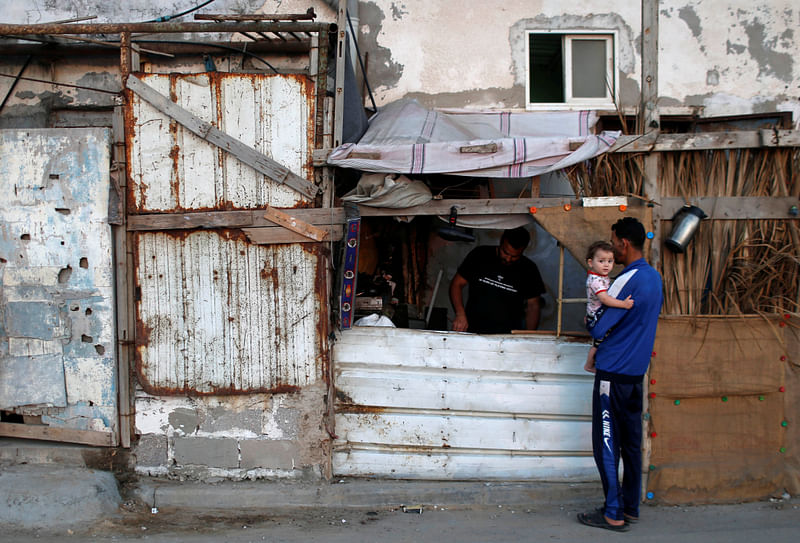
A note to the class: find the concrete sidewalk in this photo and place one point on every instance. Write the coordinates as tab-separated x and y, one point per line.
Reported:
358	493
60	497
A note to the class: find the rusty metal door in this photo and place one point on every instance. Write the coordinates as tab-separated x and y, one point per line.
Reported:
215	312
58	367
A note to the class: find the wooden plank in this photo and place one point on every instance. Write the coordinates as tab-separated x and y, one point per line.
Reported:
486	148
51	433
478	206
734	207
649	120
780	138
294	224
123	268
365	155
210	133
270	235
228	219
687	142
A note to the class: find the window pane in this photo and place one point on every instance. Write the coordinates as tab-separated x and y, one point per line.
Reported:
546	68
588	68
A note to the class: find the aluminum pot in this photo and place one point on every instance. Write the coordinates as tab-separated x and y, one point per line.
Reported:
684	226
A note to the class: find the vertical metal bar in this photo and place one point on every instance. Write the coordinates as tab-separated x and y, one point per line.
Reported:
338	111
560	287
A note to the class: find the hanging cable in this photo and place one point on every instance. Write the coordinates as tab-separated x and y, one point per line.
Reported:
361	63
181	14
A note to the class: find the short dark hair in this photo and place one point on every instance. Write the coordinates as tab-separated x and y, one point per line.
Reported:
630	229
598	246
517	237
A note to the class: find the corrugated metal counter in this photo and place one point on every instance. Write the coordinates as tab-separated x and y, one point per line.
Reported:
414	404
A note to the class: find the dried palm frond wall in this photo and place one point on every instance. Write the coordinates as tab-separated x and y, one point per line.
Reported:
731	267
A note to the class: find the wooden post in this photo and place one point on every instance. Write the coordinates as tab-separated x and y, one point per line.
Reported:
123	281
649	119
650	123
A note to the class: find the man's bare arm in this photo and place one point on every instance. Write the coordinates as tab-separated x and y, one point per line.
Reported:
533	311
460	323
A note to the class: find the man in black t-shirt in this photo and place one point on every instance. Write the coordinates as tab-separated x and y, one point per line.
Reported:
505	287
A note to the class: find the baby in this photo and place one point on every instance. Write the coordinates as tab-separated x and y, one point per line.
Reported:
600	260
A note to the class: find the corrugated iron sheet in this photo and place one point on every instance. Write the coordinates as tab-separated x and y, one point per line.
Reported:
218	315
172	169
428	405
57	341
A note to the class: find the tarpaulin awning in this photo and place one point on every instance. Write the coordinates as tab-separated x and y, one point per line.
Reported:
404	137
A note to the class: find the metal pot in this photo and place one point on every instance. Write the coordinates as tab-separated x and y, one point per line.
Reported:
684	226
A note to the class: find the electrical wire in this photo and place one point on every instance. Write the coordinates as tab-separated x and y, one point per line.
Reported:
166	18
60	84
361	63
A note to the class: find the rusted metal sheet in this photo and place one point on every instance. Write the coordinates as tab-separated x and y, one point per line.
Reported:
162	28
219	315
429	405
57	345
172	169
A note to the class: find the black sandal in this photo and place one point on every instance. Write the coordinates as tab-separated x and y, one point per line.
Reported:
596	519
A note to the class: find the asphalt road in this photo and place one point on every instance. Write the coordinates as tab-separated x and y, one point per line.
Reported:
774	521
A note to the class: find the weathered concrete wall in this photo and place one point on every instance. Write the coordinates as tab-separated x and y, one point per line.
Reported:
233	437
41	105
721	57
57	348
732	57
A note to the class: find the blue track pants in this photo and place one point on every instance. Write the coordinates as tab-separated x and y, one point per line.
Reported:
617	433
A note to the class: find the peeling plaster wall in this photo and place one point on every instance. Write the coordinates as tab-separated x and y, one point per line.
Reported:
472	54
724	57
57	355
730	58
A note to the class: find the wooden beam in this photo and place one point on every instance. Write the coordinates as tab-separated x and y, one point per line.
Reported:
294	224
480	206
52	433
229	219
726	208
123	278
270	235
742	139
210	133
780	138
319	157
734	207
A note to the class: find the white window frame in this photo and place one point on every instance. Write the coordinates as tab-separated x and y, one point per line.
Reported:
570	102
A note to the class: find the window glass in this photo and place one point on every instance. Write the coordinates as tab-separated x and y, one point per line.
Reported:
588	68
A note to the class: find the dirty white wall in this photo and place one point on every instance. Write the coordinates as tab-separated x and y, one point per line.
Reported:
720	57
37	105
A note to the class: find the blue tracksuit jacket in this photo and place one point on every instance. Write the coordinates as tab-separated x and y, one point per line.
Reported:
627	350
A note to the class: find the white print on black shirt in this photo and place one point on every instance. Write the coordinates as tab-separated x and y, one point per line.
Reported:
497	284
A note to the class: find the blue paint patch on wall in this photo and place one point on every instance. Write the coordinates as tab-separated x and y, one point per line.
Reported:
40	320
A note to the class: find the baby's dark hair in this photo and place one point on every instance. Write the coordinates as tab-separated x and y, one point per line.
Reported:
598	246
